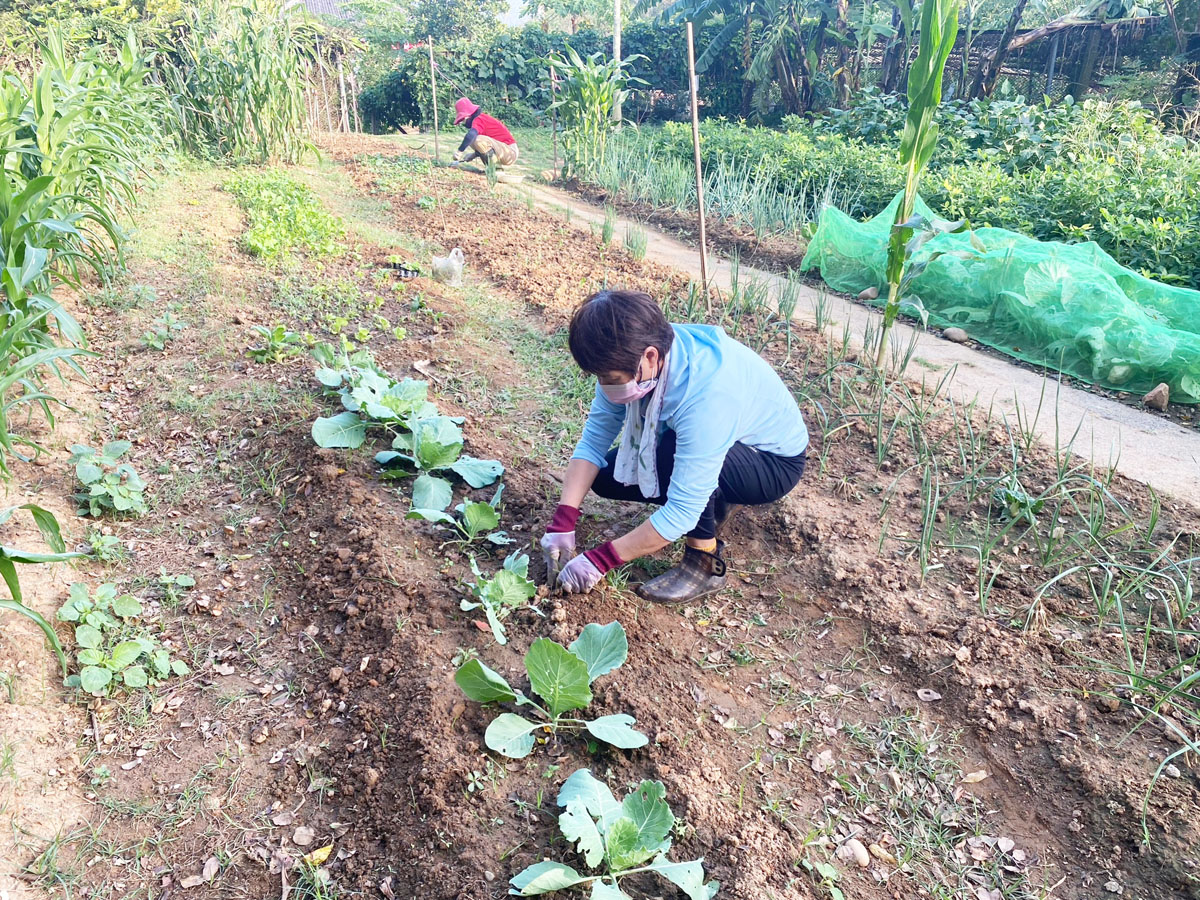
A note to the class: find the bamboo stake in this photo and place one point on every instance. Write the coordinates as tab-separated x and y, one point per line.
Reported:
354	102
694	82
345	117
325	97
554	113
437	153
616	113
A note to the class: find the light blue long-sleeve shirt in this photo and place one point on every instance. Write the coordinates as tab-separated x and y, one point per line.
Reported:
720	392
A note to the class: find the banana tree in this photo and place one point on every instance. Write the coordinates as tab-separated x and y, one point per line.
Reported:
939	28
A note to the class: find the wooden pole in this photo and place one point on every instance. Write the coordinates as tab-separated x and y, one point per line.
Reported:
325	97
554	120
345	117
616	112
437	152
354	102
694	83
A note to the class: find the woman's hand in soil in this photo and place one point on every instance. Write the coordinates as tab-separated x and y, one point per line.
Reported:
557	548
558	543
579	576
582	573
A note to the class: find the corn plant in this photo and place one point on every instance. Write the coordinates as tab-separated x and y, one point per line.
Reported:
562	678
588	91
20	384
237	78
47	524
619	838
939	28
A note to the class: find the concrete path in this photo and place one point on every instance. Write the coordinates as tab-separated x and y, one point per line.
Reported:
1144	447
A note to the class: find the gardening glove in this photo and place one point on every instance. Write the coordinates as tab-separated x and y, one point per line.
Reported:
558	543
584	572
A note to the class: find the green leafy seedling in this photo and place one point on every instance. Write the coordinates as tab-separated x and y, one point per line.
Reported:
618	839
113	650
276	344
562	678
173	587
164	331
499	595
473	522
109	483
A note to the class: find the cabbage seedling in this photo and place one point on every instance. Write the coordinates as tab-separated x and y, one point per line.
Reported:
631	837
502	593
475	520
562	679
110	484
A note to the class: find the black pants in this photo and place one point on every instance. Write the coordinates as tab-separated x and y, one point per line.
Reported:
749	477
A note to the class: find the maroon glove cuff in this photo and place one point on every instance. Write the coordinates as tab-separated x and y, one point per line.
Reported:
604	557
564	519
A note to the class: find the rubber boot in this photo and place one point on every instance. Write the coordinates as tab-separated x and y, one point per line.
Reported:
698	574
725	514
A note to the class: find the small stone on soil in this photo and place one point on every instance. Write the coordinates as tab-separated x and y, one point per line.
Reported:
303	836
957	335
1158	398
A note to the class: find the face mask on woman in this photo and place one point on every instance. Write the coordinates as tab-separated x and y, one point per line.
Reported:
629	391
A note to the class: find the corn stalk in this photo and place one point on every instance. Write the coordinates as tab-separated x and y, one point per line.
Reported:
9	558
939	28
588	92
73	135
237	78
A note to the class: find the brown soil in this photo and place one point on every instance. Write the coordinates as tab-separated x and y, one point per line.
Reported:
325	627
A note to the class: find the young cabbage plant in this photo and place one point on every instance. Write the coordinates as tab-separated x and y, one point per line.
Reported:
475	520
618	839
499	595
276	345
434	444
369	396
561	677
110	484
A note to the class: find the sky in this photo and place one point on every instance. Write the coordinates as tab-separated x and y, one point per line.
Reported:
513	16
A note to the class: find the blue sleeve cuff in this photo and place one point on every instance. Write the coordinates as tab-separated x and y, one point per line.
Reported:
587	454
669	525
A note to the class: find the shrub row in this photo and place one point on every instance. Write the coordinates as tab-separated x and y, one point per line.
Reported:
1096	171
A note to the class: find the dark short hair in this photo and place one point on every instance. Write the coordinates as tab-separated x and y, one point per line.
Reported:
610	331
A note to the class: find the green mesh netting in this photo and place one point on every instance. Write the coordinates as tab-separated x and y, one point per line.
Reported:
1069	307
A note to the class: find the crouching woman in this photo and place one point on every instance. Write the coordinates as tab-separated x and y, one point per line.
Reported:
706	425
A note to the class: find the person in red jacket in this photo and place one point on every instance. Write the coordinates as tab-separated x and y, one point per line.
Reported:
486	137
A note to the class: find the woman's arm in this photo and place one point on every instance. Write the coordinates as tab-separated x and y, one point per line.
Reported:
578	481
642	541
468	140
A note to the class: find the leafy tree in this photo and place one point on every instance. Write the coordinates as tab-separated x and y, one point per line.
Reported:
446	19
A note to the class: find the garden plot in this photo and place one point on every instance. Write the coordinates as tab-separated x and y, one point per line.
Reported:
890	700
